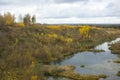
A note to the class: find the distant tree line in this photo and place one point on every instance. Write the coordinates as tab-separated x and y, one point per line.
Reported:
8	19
109	25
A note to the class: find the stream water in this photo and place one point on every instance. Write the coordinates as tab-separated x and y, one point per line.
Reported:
95	63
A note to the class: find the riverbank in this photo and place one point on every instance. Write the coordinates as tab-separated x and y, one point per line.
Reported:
87	62
68	72
23	47
115	48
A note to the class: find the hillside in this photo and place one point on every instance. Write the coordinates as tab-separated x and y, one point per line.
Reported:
22	48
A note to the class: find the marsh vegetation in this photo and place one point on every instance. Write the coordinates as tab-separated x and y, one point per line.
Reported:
28	48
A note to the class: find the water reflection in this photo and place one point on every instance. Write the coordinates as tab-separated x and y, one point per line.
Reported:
59	61
103	46
102	62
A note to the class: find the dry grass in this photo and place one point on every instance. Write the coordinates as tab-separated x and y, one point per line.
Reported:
20	47
115	48
68	72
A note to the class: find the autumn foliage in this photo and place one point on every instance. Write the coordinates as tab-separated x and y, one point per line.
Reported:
8	19
84	31
20	24
26	46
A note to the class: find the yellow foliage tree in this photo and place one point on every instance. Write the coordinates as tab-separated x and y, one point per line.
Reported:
68	40
9	19
54	27
52	35
34	77
84	31
20	24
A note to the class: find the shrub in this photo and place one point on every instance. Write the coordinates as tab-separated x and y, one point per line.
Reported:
20	24
84	31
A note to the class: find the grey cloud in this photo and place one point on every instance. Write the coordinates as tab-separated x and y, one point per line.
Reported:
110	5
3	3
97	0
69	1
36	2
55	9
16	2
113	9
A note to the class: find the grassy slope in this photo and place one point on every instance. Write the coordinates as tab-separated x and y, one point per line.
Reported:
22	47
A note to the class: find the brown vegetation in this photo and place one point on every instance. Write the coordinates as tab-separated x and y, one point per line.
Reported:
118	74
25	47
68	72
115	48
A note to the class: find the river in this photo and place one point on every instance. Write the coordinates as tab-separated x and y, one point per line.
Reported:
95	63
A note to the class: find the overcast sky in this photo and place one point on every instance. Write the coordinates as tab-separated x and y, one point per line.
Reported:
65	11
